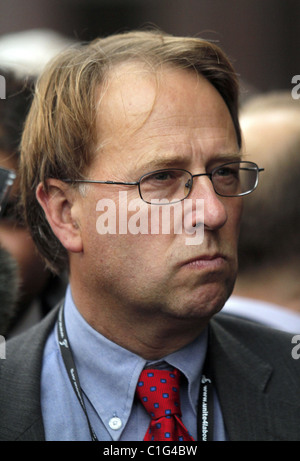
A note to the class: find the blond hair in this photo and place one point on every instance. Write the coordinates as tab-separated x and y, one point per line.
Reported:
59	132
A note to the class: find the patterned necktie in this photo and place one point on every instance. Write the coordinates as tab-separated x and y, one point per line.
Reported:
158	390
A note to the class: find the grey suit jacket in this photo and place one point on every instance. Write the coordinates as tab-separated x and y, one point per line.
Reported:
257	380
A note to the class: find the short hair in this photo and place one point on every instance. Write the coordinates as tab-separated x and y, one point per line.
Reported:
59	133
269	234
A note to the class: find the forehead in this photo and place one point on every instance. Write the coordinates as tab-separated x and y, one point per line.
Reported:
160	109
127	99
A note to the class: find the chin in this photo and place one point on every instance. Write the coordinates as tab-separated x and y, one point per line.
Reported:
203	305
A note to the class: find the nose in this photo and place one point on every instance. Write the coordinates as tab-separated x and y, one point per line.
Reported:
215	212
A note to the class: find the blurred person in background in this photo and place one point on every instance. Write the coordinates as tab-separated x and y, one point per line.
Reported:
9	289
28	51
267	287
9	280
38	289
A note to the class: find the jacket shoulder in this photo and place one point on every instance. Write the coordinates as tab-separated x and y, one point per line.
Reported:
246	340
20	373
245	330
257	377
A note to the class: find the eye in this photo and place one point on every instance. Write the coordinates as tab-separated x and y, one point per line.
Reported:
170	185
225	171
162	175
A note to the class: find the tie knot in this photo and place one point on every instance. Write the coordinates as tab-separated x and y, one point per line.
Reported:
158	390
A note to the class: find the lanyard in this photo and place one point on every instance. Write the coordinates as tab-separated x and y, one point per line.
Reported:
205	412
67	356
205	415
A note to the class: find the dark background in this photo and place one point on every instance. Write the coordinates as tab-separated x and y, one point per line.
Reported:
262	37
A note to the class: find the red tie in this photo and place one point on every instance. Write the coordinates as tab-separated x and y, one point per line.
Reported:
158	391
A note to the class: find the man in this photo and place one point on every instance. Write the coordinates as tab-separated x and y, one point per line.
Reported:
115	129
267	288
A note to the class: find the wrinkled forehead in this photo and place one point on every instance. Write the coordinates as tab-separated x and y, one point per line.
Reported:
129	97
146	117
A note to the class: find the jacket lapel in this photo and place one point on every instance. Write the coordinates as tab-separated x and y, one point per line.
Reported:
253	396
21	376
244	385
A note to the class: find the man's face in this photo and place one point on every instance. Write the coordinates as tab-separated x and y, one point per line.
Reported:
145	123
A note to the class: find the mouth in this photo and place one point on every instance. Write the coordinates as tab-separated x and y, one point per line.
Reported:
209	261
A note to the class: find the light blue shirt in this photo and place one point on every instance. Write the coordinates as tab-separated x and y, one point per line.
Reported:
108	375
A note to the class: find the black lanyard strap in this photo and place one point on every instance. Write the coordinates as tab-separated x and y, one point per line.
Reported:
67	356
205	413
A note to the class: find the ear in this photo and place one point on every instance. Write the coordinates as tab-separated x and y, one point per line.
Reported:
58	204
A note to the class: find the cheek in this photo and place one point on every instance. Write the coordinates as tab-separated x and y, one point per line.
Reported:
129	259
234	217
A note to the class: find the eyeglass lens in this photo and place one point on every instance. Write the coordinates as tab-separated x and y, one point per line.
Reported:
172	185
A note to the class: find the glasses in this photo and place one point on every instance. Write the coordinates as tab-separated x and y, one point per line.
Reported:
173	185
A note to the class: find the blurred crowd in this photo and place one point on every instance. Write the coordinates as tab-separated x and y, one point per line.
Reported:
28	289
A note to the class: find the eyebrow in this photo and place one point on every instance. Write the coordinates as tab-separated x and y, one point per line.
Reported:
165	162
229	157
178	161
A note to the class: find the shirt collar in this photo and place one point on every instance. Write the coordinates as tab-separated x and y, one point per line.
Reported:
118	369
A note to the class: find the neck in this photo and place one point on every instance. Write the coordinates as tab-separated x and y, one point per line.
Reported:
149	334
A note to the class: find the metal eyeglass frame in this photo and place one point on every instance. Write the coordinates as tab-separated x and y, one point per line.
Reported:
210	175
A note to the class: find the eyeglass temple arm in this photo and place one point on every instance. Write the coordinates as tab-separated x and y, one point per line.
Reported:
101	182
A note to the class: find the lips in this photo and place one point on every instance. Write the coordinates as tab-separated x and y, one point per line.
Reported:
206	260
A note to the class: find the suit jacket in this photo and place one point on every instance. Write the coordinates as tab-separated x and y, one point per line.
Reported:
257	380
